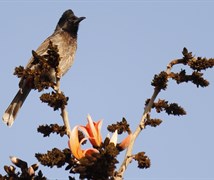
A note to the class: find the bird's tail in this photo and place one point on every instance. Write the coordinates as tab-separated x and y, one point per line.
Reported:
16	104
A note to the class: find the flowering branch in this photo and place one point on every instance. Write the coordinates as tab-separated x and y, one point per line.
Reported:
99	161
128	156
160	83
64	112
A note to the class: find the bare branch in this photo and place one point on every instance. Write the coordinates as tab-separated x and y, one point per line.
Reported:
64	114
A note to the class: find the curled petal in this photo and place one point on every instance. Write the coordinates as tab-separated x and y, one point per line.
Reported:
75	145
13	159
93	131
11	168
31	171
114	138
125	143
18	162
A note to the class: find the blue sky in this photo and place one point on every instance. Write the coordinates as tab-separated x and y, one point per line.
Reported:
121	45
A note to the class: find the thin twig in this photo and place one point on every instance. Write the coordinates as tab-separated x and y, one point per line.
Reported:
57	86
64	114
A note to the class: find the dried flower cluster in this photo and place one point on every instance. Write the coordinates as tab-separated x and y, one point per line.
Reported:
39	78
160	80
152	122
55	100
54	157
24	173
170	109
121	127
196	78
143	160
46	130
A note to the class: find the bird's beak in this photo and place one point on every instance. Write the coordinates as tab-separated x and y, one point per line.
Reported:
78	20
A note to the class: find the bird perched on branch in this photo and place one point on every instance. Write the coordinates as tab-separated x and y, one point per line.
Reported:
65	38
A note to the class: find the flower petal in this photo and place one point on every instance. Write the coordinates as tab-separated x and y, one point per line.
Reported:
74	143
114	138
125	143
93	131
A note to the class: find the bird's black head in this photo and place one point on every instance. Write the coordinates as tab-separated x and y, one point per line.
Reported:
69	22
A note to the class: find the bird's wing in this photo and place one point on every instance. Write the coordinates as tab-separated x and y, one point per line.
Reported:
42	49
66	50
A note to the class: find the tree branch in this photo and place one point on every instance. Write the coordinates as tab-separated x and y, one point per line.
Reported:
128	156
64	114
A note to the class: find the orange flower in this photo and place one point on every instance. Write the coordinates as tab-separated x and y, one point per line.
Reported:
124	144
75	145
92	131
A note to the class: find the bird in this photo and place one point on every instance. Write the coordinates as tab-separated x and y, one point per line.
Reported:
65	38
